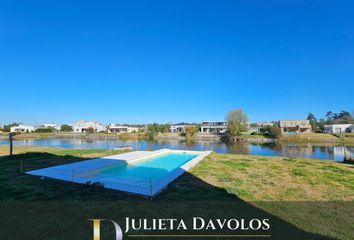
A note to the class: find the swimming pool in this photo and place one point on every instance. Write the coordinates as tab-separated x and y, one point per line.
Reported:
140	172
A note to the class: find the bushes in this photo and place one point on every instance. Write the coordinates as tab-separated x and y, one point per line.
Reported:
45	130
155	128
91	130
271	131
191	131
66	128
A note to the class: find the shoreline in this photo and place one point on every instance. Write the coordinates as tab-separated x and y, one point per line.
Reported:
313	138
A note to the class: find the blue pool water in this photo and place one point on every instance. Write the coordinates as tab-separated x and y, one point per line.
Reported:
139	173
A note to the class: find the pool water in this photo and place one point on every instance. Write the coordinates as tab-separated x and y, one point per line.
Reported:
140	173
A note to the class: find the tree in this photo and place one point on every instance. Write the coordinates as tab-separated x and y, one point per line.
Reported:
191	131
329	116
313	121
164	128
152	130
311	117
344	117
155	128
320	125
275	131
8	127
237	122
339	118
271	131
66	128
90	130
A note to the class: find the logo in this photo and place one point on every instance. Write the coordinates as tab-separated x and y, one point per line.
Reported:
97	229
168	225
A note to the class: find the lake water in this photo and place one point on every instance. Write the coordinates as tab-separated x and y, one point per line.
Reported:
336	153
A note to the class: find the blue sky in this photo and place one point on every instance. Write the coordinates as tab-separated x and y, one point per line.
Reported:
171	61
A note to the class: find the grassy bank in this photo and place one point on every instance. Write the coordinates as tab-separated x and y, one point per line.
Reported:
266	183
317	138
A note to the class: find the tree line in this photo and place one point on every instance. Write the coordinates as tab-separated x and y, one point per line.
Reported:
343	117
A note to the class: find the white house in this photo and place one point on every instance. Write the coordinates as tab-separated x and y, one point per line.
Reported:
213	127
84	126
180	127
264	124
22	129
339	128
121	129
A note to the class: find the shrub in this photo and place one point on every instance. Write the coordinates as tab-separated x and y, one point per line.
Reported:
191	131
44	130
90	130
66	128
271	131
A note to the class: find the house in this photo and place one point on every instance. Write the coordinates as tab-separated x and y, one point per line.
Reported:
339	128
213	127
180	127
121	129
295	126
84	126
22	129
264	124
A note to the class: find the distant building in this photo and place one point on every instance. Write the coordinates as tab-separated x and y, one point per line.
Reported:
264	124
52	125
256	129
22	129
121	129
295	126
84	126
339	128
213	127
180	127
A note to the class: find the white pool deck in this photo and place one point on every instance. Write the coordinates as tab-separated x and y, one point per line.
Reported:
74	172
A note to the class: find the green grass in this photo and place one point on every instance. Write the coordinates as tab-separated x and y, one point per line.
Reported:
305	196
252	136
318	138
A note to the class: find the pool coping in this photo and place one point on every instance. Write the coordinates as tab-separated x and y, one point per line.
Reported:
69	172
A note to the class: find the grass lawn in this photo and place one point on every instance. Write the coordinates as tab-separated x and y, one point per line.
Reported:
252	136
306	196
318	137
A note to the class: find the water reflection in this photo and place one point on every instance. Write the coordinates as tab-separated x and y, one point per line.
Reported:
240	148
268	149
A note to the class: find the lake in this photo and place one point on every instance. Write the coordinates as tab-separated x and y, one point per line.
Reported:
336	153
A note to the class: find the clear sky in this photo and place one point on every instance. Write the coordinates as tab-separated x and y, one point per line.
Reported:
170	61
